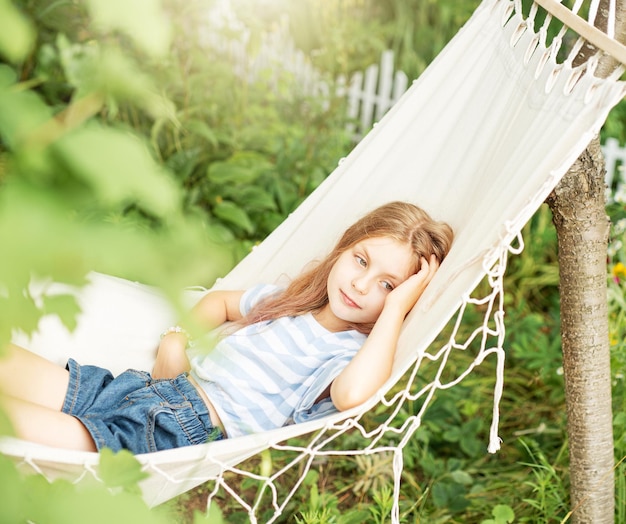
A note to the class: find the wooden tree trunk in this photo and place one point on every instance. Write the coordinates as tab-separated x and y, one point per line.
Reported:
582	229
578	207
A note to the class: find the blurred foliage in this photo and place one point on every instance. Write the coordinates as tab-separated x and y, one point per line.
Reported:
129	148
81	190
143	159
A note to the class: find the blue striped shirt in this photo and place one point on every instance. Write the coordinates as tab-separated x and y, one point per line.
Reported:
271	373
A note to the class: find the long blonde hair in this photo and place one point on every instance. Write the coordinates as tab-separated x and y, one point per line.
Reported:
400	221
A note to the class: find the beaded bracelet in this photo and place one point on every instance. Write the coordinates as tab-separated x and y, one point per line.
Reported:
182	331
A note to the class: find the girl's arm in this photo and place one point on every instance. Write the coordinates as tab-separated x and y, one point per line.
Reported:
371	366
215	308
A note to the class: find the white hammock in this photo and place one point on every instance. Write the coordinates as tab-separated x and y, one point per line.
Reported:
479	141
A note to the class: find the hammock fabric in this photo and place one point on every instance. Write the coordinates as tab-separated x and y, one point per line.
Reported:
479	140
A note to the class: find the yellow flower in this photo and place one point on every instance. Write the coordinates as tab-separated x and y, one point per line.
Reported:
619	270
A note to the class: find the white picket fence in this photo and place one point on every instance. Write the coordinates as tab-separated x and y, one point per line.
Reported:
371	94
273	58
276	61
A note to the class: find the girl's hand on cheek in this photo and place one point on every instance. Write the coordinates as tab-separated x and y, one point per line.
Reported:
406	294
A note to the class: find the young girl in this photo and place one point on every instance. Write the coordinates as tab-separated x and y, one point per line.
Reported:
324	343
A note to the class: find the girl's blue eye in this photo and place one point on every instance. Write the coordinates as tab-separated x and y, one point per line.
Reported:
360	260
387	286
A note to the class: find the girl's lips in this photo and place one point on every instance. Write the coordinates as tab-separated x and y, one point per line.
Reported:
348	301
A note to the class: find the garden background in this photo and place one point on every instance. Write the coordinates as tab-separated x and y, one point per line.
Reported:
132	142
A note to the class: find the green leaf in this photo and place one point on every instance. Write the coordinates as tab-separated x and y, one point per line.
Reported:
142	20
432	466
440	495
202	129
242	168
503	514
462	477
120	470
453	434
120	169
17	34
212	516
6	427
106	70
13	503
229	173
266	463
21	112
183	162
286	194
256	198
270	221
78	61
17	311
232	213
65	307
61	502
620	419
449	495
8	77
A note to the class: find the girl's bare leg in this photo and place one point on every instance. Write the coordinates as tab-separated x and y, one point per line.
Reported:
32	392
47	426
27	376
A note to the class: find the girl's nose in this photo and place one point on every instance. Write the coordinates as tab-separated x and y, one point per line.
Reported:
359	285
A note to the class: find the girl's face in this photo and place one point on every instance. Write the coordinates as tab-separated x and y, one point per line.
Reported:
361	279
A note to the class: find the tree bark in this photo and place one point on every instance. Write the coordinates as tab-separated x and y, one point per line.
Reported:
582	229
578	207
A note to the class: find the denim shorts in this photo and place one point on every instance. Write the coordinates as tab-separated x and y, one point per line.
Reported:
133	411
